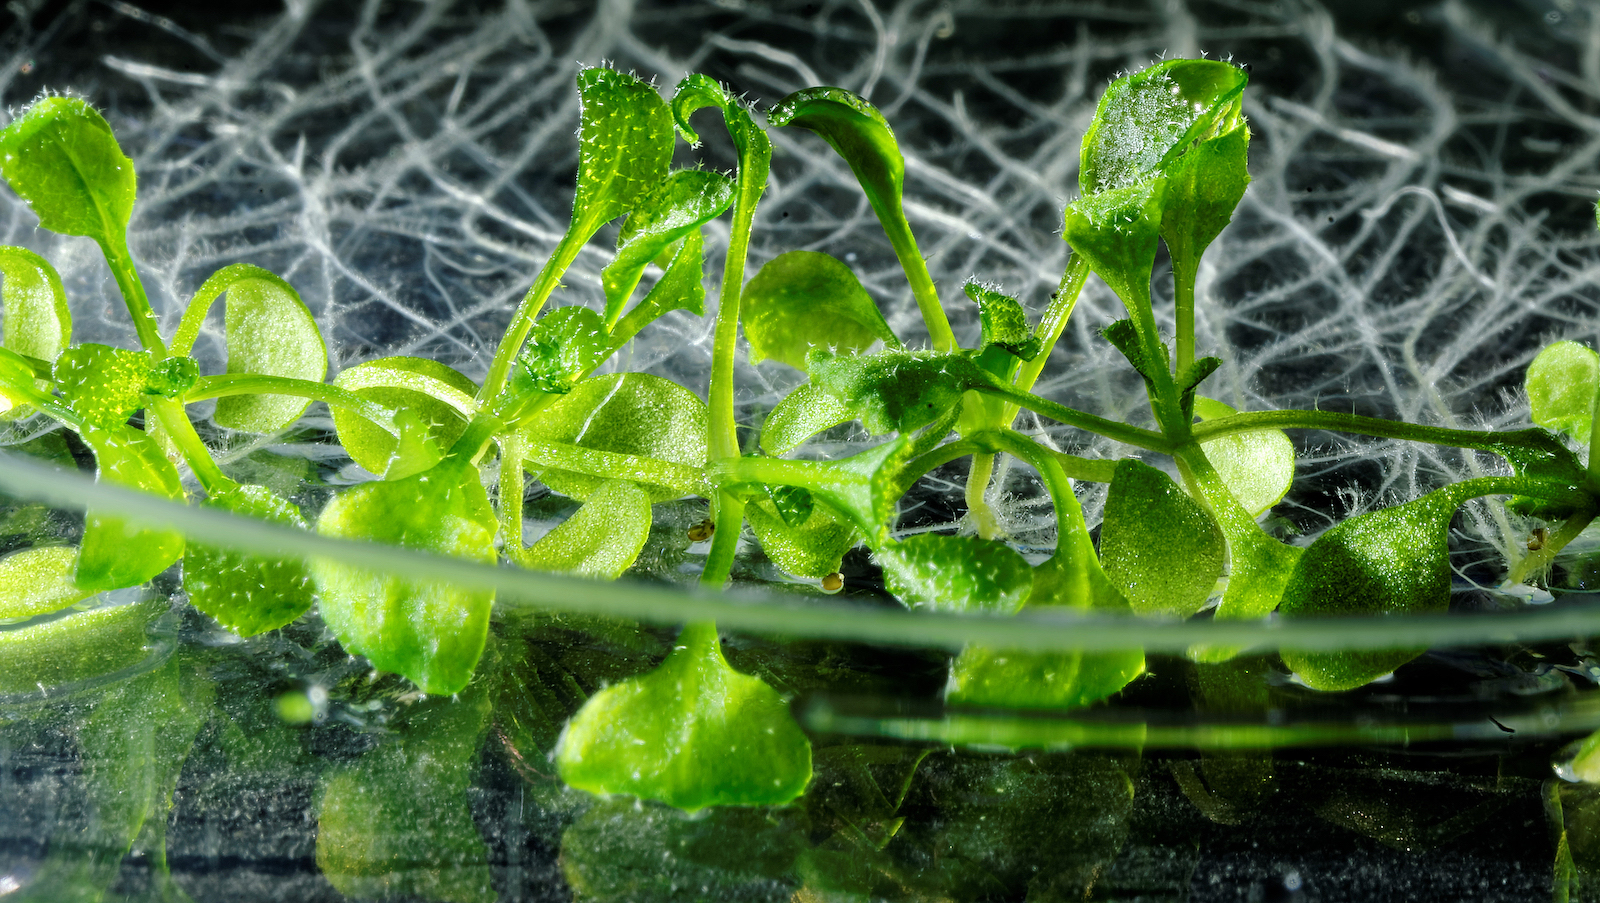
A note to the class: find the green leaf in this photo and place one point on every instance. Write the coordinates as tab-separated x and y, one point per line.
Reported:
864	487
804	300
624	146
172	377
1148	120
563	347
38	322
269	332
1004	323
682	286
439	397
397	821
1157	545
1392	561
1562	383
682	203
698	91
432	632
62	159
692	733
955	573
897	391
601	539
248	594
1258	466
1203	188
1190	377
857	132
793	503
1117	232
1124	336
814	547
101	384
625	413
117	551
801	414
37	581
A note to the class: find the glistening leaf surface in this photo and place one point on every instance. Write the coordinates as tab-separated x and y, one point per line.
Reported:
956	573
801	414
62	159
624	145
1258	467
248	594
563	347
601	539
1004	323
1159	547
37	581
439	398
38	322
680	204
813	548
1147	120
101	384
806	299
897	391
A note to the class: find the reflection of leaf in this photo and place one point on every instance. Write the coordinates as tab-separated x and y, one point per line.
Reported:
803	300
37	581
601	539
437	397
432	632
248	594
955	573
76	647
693	733
116	551
1158	546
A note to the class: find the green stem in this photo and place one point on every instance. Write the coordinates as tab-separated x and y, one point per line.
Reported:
724	541
1185	269
512	486
1051	325
175	423
613	465
474	440
922	287
549	277
1111	429
133	295
1539	559
1486	440
983	517
224	384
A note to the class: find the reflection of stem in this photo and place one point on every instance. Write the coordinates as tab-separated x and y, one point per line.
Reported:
1539	559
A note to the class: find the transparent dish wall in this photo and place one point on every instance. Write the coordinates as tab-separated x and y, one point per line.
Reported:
1420	223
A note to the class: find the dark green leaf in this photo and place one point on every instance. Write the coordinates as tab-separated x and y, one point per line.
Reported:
601	539
803	413
1148	120
793	503
172	377
1004	323
38	322
624	145
1203	188
1562	384
432	632
955	573
563	347
858	132
248	594
897	391
61	157
1190	379
812	548
626	413
803	300
1392	561
439	398
37	581
1159	547
1124	336
681	204
101	384
693	733
117	551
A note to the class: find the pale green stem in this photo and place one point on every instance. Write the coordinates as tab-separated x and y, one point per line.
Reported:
983	517
510	496
1184	271
1487	440
922	287
1111	429
1539	559
549	277
1051	325
224	384
133	295
175	424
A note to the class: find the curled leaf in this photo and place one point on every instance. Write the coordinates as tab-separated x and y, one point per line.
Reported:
1003	321
61	157
601	539
438	398
563	347
38	322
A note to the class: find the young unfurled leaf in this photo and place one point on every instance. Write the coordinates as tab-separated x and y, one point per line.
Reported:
1392	561
812	548
171	377
432	632
803	413
563	347
103	385
116	551
38	322
1203	188
864	487
692	733
1258	467
897	391
37	581
248	594
397	823
1159	547
1117	232
601	539
682	203
955	573
438	396
626	413
624	146
1562	382
803	300
1145	122
61	157
269	332
697	91
1004	323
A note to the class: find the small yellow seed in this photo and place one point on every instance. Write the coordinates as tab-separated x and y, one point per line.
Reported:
833	582
702	531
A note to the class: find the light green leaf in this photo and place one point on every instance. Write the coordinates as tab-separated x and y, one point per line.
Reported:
248	594
813	548
803	300
801	414
563	347
79	646
624	146
1392	561
625	413
269	332
117	551
397	821
1004	323
1148	120
37	581
38	322
1159	547
101	384
1562	382
692	733
897	391
1117	232
62	159
438	396
682	203
955	573
432	632
698	91
601	539
1258	466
